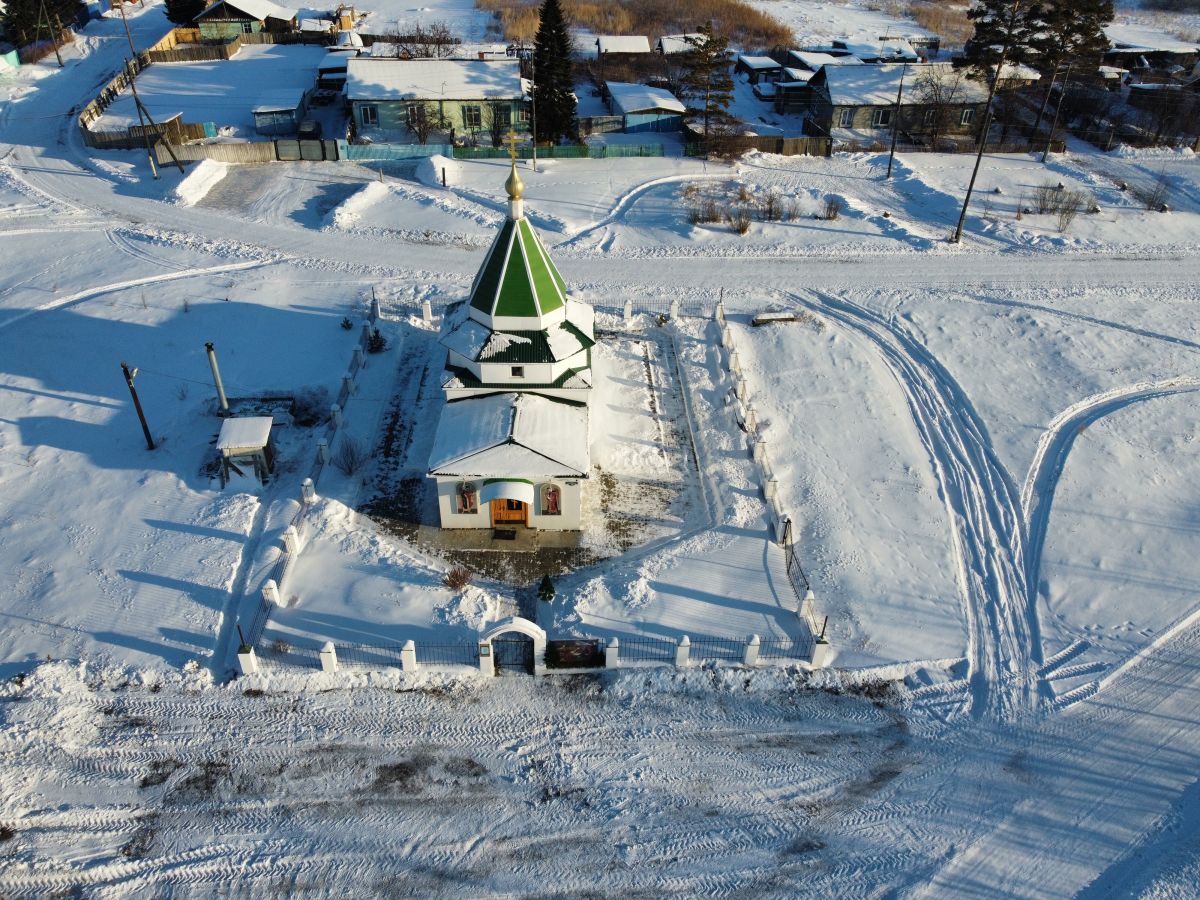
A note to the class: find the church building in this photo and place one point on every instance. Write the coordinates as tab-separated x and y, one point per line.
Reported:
512	447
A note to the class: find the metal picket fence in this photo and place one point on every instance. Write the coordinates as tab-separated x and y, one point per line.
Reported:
369	656
800	648
646	649
727	649
447	654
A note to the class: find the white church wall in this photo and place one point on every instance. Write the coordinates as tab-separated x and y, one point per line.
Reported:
447	489
570	503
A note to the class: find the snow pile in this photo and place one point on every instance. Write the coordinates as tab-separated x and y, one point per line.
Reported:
198	182
348	212
430	171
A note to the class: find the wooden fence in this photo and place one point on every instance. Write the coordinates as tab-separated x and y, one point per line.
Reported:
41	49
255	152
169	49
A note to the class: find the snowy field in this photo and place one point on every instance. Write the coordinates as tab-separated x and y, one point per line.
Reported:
988	451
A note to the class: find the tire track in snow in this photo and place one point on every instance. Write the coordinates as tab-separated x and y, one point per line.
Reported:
981	501
1037	494
93	292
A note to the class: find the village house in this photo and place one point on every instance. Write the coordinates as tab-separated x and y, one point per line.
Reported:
858	102
616	45
757	68
674	44
226	19
512	446
644	108
465	98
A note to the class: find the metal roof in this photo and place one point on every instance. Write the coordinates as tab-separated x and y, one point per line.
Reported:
371	78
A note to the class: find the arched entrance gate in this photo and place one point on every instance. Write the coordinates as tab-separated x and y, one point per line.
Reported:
513	646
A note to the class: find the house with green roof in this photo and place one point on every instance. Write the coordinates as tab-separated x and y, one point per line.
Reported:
512	446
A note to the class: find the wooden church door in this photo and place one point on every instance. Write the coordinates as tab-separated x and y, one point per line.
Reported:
508	512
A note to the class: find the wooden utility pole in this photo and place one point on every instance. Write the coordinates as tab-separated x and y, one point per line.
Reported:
137	404
132	75
1057	111
896	123
45	17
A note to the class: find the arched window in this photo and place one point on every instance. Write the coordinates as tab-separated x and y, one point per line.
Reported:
551	500
468	498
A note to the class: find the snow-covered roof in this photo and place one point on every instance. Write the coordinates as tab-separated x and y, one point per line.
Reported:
1019	72
631	98
370	78
349	39
319	25
892	48
670	44
811	59
511	435
279	101
795	76
246	433
256	9
876	85
560	341
757	62
479	51
622	43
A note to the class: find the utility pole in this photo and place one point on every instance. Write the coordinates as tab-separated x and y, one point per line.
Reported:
44	17
137	404
987	124
896	122
1045	101
121	5
216	373
1057	110
129	70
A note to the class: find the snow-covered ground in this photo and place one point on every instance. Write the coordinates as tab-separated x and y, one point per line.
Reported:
988	449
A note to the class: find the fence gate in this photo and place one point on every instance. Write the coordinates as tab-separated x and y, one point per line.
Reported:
292	150
513	654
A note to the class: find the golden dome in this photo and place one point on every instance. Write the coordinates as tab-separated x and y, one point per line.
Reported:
514	185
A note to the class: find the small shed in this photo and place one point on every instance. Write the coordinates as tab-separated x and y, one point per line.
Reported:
759	68
244	443
279	113
621	45
645	108
674	44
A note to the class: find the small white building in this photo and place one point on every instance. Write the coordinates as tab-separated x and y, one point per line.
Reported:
512	446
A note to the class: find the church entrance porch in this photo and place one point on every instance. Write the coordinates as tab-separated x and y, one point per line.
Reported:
507	512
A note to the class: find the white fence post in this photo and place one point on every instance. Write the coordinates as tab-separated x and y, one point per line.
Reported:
770	489
682	651
329	662
759	449
487	665
674	307
719	312
374	307
819	654
612	654
426	312
408	656
347	385
308	492
627	310
270	592
366	334
335	414
323	450
735	364
358	356
291	539
750	656
247	661
750	418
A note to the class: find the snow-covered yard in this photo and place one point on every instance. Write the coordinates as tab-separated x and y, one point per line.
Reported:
987	451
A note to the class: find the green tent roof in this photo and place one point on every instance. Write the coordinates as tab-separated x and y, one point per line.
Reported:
518	278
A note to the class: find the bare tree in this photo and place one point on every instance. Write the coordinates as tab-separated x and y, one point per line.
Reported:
940	91
432	41
423	120
497	120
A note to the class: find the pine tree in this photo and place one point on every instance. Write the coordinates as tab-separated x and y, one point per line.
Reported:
706	82
1073	33
1005	29
25	21
554	86
182	12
